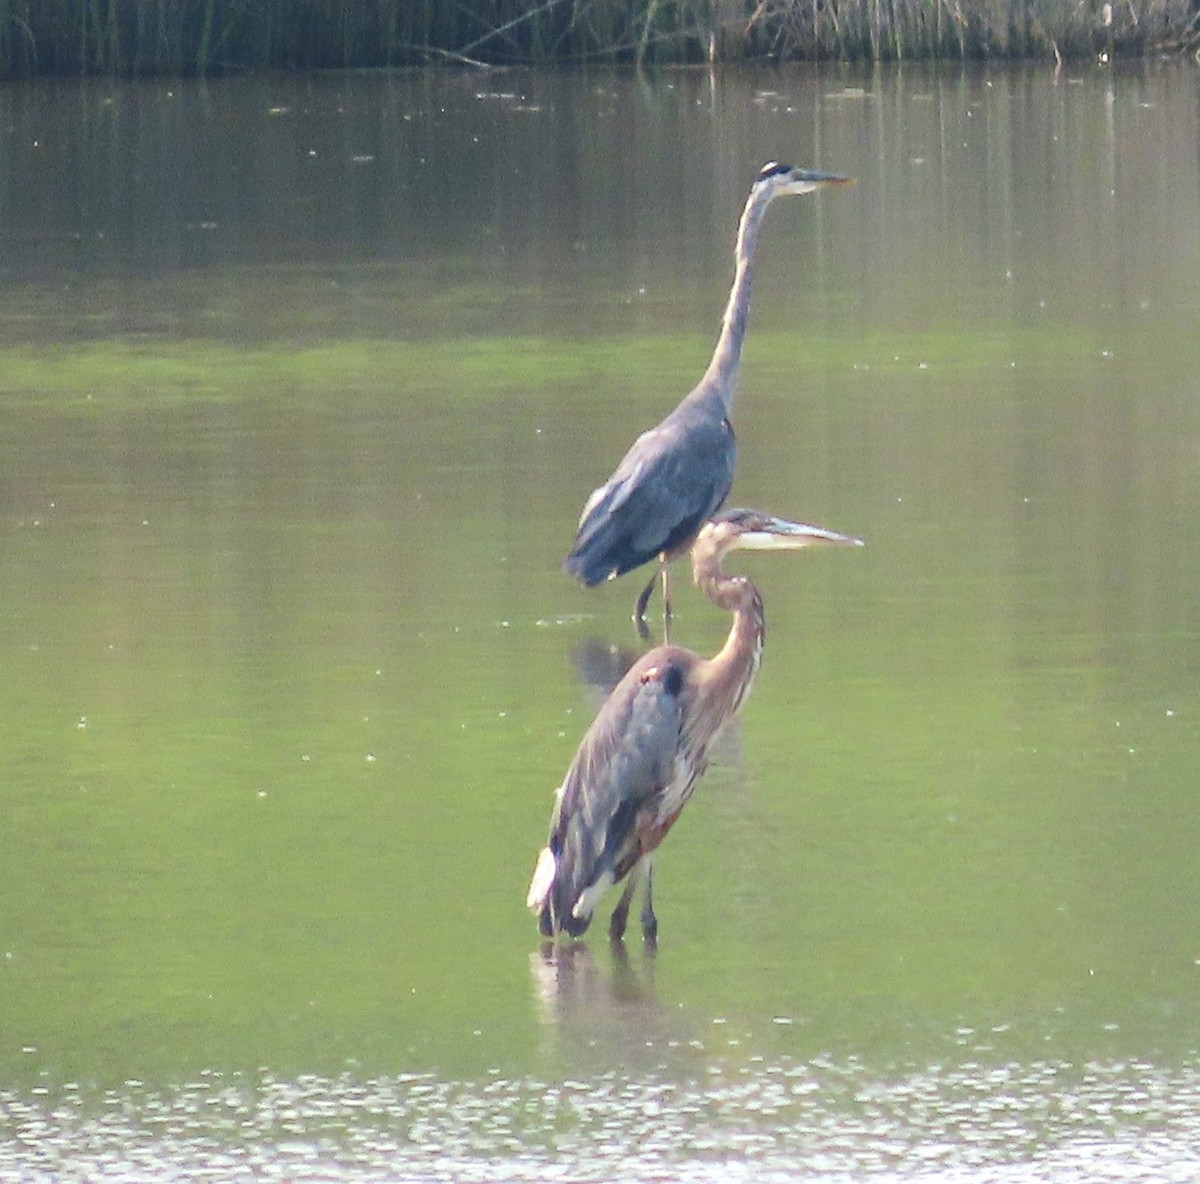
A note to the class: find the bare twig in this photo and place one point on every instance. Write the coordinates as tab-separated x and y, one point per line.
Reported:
504	28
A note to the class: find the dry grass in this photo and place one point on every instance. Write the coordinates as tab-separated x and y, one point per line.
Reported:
900	29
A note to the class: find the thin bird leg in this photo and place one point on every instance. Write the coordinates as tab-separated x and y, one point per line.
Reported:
639	608
665	571
649	920
616	926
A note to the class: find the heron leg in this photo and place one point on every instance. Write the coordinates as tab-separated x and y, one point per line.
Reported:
616	926
666	596
639	608
649	920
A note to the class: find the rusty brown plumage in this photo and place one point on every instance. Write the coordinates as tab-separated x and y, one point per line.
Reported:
639	762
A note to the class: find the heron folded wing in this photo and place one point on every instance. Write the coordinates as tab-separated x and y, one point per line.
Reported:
688	487
672	479
623	763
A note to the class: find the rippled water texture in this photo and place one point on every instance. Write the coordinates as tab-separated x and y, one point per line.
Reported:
771	1121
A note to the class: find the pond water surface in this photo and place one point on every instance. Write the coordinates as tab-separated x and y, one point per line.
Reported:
303	382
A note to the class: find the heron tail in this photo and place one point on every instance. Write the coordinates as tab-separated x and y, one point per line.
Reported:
542	882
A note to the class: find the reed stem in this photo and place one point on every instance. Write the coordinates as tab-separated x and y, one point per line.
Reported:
146	37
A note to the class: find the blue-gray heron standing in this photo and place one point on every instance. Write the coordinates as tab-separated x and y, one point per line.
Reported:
638	763
678	474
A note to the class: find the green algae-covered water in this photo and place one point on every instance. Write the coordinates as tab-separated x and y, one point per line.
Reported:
303	383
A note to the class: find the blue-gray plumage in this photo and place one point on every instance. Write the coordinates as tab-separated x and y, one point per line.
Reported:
678	474
630	762
659	496
638	763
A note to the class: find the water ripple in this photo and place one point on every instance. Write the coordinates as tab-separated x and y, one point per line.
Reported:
815	1121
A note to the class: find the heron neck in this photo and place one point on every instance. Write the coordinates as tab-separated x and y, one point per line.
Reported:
722	372
735	667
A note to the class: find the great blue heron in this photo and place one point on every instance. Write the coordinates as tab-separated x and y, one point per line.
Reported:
678	474
640	759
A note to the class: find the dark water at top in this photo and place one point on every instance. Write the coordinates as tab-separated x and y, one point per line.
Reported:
302	385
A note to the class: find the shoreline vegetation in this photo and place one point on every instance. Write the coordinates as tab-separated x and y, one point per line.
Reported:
210	37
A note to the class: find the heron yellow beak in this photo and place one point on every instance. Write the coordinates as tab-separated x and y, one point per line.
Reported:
778	534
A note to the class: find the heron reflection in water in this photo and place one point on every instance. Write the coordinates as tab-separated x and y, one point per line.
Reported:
678	474
639	762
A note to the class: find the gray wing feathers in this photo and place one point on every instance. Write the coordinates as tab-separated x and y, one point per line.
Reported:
627	757
673	478
685	489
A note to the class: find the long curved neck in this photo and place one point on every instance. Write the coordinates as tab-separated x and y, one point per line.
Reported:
722	372
733	669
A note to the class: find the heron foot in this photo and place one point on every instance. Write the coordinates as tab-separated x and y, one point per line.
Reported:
649	920
616	925
649	929
639	606
620	916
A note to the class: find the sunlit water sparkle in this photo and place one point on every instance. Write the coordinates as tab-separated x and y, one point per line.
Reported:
818	1120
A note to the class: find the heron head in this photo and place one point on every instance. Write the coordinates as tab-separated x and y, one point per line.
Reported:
780	179
752	530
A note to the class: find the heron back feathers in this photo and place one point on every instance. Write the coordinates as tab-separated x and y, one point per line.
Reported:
607	808
668	484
